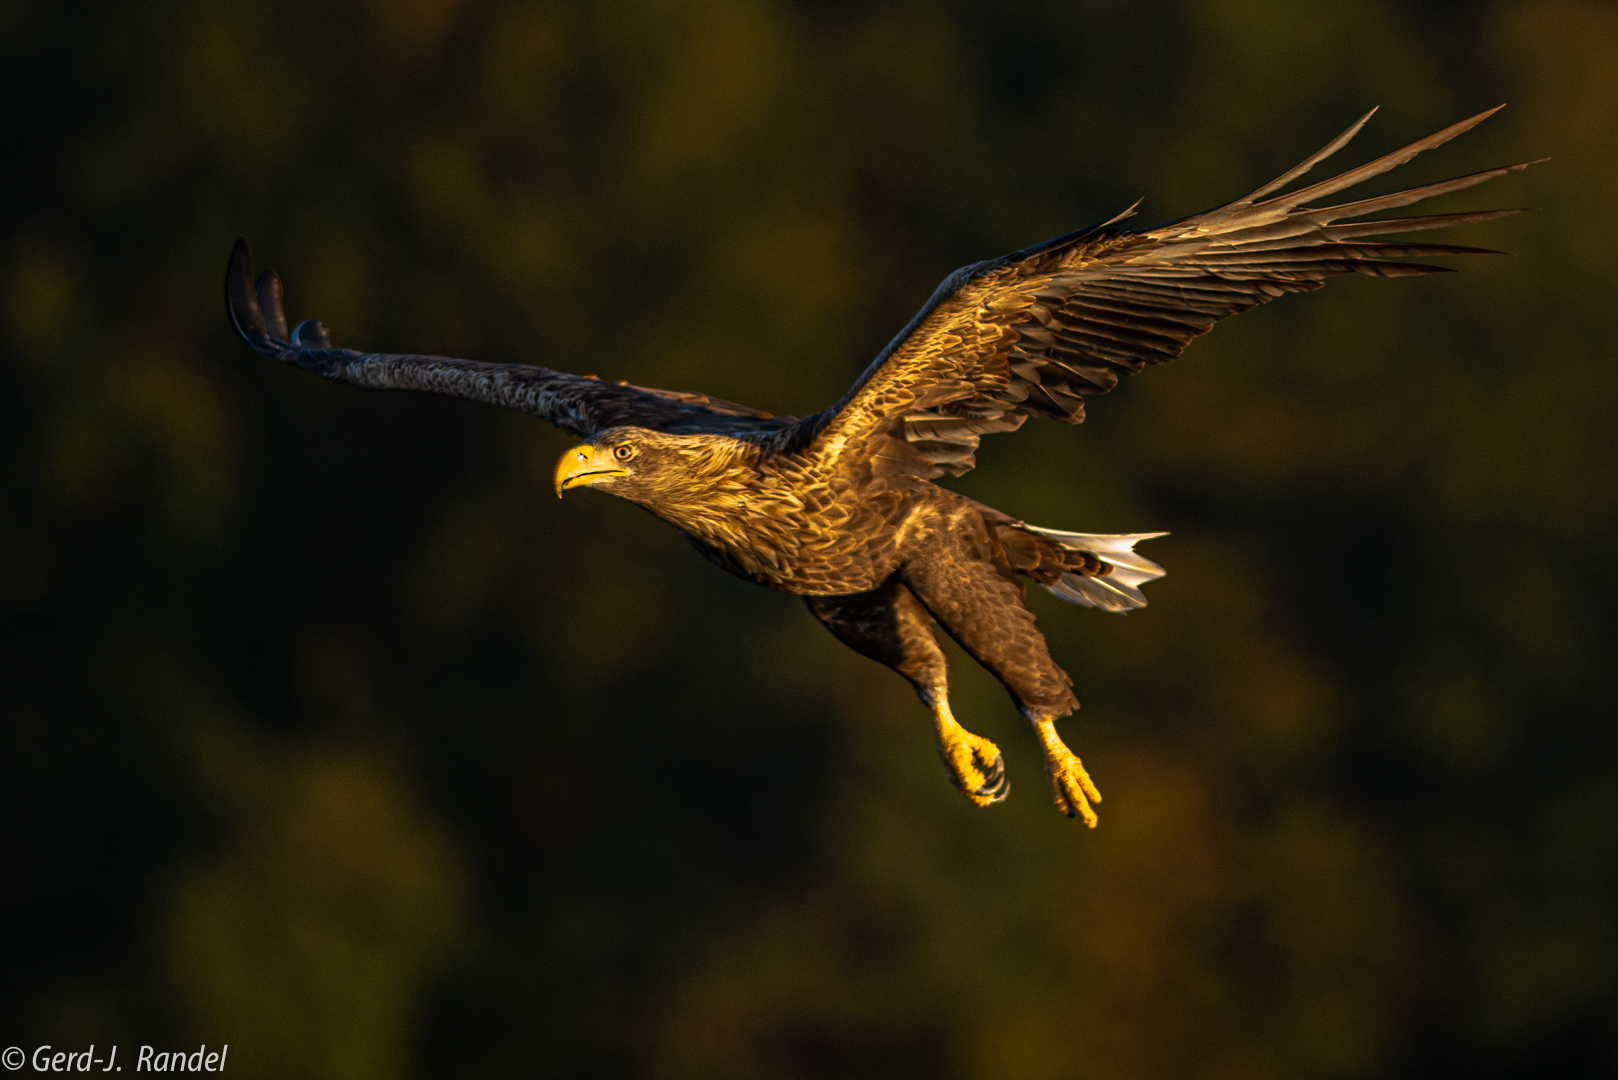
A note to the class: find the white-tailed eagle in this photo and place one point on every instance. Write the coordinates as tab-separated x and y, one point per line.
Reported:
839	507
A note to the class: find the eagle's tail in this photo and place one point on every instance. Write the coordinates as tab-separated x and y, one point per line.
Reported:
1117	590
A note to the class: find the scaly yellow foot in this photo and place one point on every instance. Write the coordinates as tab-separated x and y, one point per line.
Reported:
1075	792
974	762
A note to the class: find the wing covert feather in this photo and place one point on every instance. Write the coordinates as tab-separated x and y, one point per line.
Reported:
1034	332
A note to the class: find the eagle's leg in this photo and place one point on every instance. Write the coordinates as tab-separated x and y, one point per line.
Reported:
981	606
891	627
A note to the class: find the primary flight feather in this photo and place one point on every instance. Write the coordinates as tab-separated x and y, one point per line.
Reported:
839	507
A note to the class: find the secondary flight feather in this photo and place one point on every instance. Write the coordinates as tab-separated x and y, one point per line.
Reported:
839	507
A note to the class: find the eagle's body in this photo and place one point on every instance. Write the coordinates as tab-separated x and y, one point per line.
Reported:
801	525
840	508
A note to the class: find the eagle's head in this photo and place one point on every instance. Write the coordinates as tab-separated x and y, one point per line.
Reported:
653	468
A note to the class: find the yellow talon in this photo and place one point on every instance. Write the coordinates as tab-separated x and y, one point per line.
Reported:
974	763
1071	785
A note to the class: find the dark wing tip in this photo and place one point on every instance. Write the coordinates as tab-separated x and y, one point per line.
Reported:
269	304
241	300
256	314
311	334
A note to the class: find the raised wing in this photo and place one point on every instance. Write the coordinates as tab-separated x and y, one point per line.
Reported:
581	404
1032	333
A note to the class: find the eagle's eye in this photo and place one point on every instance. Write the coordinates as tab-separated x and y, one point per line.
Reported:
623	451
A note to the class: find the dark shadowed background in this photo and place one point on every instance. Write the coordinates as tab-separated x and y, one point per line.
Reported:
331	734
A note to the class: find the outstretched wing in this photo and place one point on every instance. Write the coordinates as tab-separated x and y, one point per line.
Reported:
1031	333
581	404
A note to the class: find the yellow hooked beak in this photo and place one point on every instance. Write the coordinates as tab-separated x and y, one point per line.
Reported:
582	465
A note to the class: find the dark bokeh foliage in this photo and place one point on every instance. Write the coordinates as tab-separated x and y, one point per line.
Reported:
329	733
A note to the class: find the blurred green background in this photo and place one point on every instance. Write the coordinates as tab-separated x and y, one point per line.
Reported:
329	733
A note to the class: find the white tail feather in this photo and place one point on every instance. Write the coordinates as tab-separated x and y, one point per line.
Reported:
1117	591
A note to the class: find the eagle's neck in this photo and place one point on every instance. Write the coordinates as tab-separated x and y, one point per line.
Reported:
718	497
701	479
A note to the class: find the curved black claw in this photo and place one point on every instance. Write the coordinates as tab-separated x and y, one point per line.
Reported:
974	763
996	784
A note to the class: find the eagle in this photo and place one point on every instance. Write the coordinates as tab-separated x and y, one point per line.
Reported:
840	507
